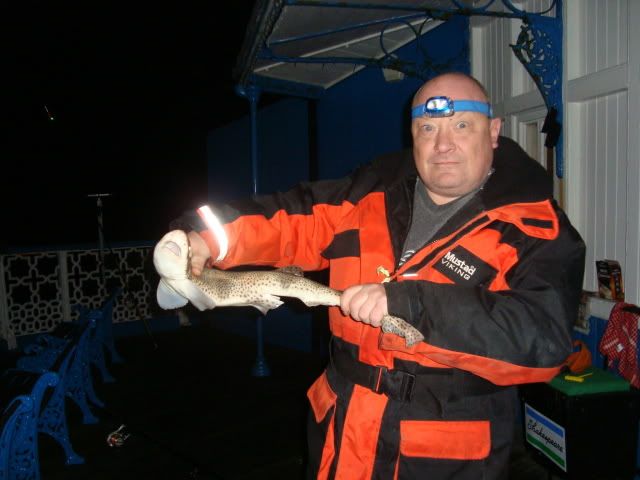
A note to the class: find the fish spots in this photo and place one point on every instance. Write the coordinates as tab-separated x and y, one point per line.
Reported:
263	289
225	288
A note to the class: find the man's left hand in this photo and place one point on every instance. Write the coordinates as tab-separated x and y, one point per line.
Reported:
365	303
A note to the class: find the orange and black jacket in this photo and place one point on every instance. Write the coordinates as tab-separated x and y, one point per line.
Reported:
494	292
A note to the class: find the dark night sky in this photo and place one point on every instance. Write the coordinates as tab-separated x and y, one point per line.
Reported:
133	91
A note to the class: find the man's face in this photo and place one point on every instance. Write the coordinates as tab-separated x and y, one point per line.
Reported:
453	155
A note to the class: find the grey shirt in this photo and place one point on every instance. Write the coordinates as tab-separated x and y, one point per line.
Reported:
427	218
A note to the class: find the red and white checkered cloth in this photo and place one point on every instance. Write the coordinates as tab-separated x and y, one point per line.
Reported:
620	342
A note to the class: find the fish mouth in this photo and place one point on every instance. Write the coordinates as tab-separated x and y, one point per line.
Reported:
174	248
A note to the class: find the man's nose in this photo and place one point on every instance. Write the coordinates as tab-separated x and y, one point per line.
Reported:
444	141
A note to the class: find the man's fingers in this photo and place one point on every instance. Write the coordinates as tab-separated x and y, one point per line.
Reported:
361	307
199	252
376	316
197	264
365	303
346	297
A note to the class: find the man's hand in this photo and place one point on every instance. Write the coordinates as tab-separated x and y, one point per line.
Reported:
199	252
365	303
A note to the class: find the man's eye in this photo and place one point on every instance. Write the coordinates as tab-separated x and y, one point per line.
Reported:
462	125
427	127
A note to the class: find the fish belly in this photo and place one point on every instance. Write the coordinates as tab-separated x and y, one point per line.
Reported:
309	292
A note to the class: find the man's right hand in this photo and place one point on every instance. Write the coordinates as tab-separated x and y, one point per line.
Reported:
199	252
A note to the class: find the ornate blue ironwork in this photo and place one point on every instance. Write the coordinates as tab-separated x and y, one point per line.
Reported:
23	394
47	354
53	419
539	49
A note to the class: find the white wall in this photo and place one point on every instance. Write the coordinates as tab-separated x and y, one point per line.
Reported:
601	124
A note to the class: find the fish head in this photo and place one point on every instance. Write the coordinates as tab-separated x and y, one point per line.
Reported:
171	255
171	259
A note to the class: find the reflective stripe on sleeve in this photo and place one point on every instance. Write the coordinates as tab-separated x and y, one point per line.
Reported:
213	224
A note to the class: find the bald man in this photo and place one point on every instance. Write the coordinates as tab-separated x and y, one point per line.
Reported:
460	237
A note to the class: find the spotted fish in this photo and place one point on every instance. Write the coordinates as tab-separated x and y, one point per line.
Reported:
259	289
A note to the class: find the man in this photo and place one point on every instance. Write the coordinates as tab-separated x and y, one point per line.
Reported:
473	252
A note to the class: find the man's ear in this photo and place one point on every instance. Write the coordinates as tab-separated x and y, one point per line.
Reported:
494	130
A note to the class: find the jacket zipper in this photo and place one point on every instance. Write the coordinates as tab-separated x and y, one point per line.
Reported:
412	271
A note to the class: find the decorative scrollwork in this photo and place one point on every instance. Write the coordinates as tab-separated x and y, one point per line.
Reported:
539	49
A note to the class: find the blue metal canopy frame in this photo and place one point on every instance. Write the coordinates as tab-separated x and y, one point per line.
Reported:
538	47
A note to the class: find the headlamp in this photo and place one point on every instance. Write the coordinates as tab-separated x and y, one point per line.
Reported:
436	107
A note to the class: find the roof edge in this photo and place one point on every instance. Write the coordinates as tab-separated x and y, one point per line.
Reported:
264	15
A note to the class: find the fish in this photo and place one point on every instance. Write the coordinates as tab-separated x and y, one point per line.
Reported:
260	289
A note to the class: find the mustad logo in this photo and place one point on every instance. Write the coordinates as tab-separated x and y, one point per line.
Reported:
463	267
458	265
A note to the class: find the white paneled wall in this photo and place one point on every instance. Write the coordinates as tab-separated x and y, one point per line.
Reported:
601	124
492	39
596	35
602	159
602	129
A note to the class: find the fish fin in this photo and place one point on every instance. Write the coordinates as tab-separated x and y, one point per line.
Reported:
267	302
168	298
292	270
315	303
196	296
176	293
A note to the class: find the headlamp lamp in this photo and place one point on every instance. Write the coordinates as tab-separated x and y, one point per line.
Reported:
436	107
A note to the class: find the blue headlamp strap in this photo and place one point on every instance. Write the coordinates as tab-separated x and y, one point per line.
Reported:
436	107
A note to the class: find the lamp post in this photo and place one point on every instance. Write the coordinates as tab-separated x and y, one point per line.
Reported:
98	197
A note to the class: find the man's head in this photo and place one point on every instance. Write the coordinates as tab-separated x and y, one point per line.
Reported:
453	154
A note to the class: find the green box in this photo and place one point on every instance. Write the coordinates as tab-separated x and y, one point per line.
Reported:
594	380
